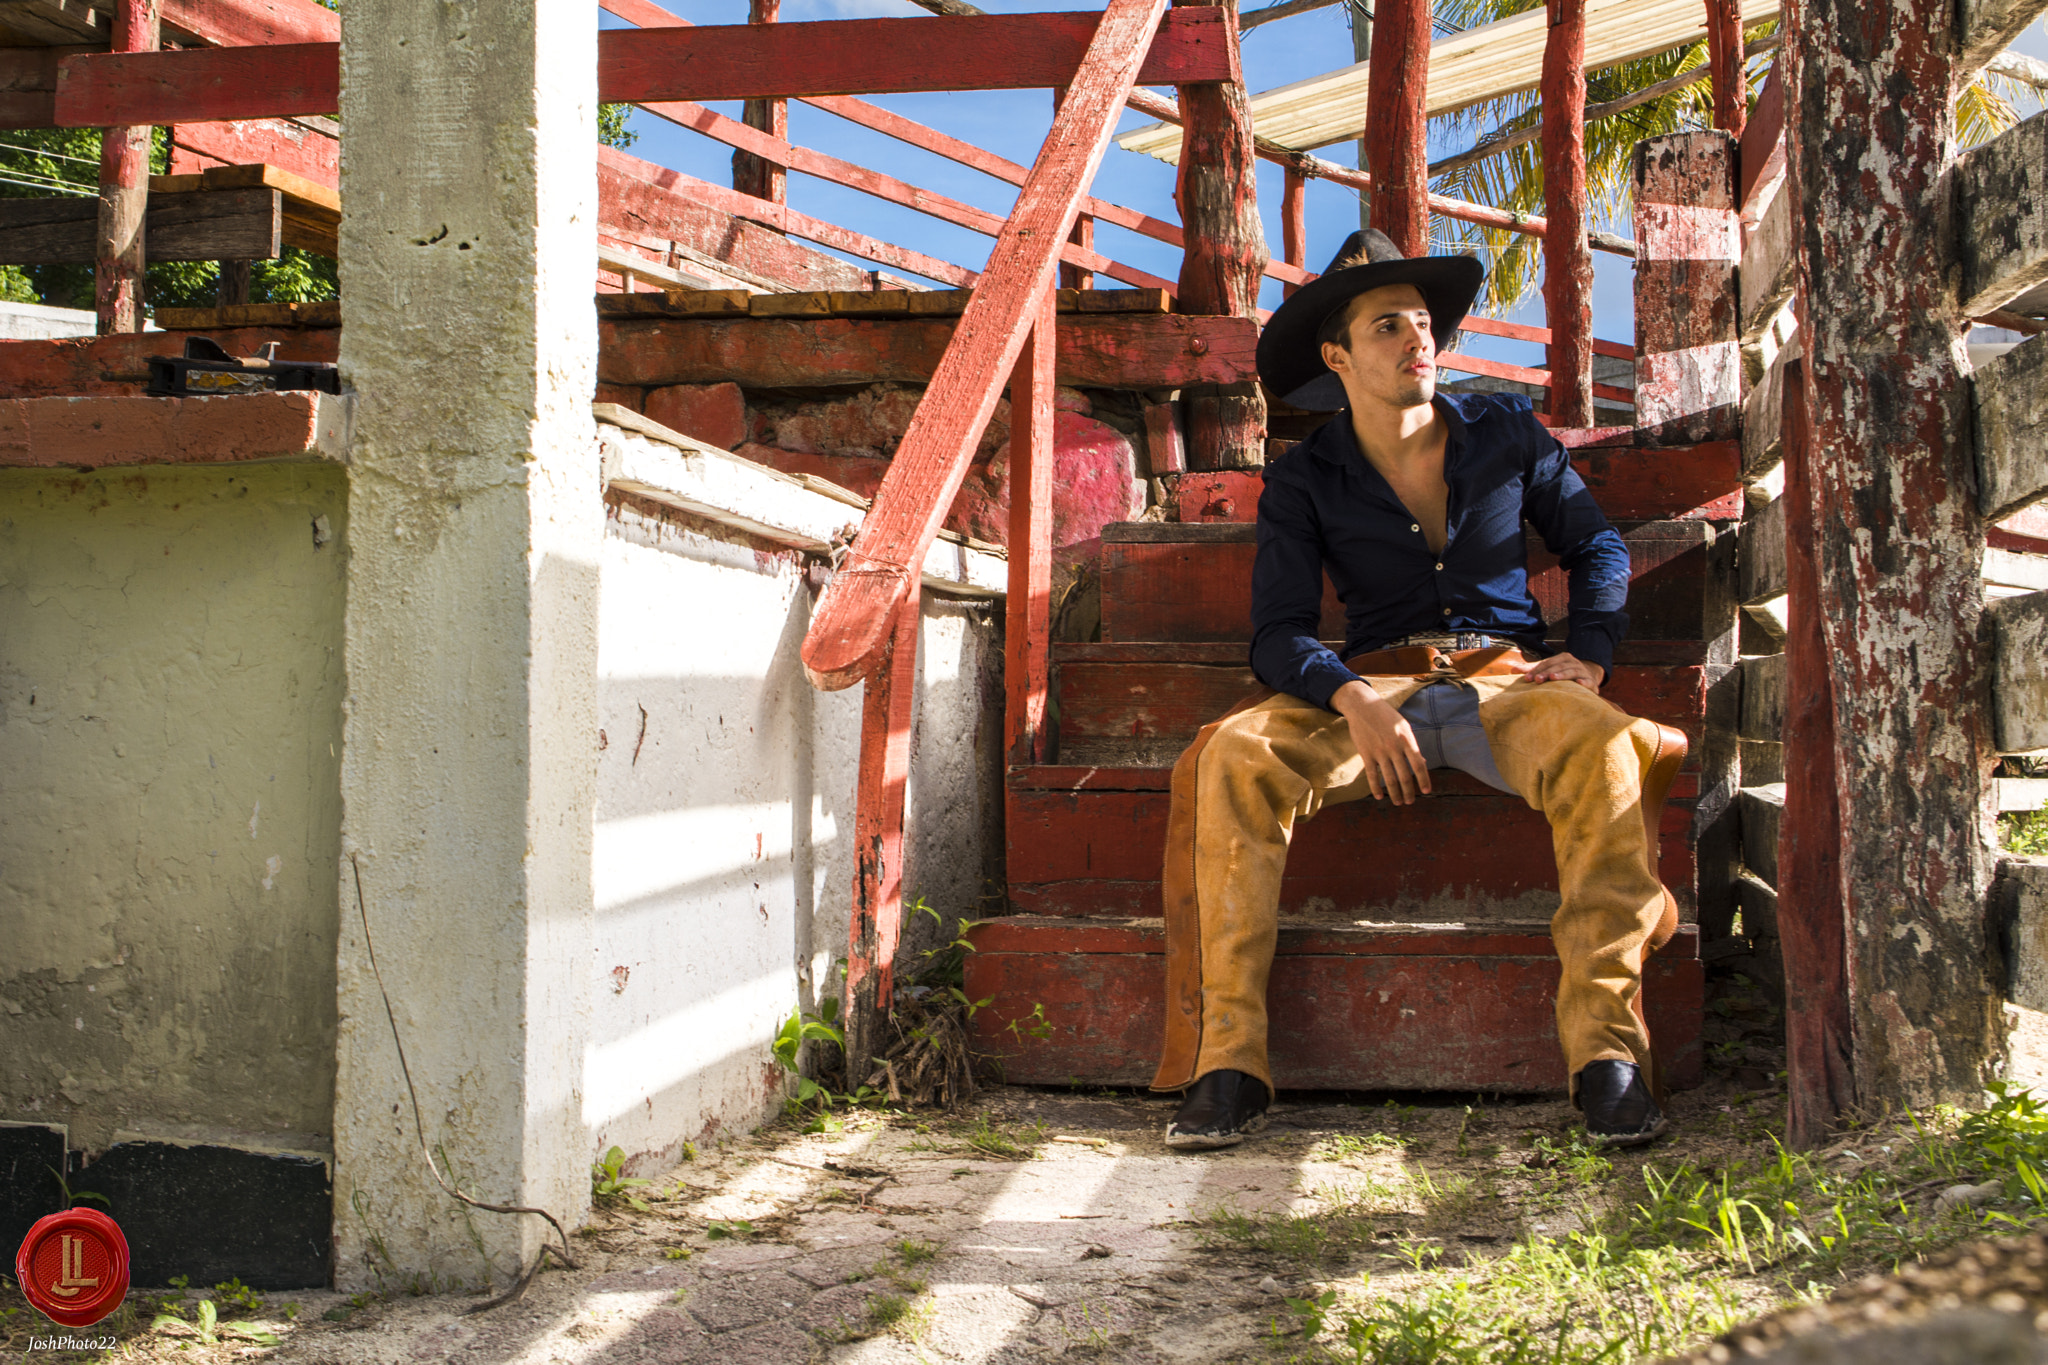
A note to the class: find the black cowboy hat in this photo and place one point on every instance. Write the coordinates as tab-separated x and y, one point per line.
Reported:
1290	361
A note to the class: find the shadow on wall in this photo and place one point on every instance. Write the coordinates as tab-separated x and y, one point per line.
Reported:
722	863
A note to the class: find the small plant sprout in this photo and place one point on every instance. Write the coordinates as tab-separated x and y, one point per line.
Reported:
608	1183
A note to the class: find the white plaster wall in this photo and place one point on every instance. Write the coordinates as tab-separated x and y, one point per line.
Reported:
170	714
722	860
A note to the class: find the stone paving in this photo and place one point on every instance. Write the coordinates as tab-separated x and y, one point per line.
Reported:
901	1240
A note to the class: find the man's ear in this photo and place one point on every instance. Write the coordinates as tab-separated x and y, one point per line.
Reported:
1336	357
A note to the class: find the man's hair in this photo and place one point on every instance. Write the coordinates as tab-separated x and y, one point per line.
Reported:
1336	328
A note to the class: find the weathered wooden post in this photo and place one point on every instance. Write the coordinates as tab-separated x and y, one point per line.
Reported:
1397	124
1725	57
1225	257
751	174
118	258
1083	235
1897	589
1567	255
877	920
1294	222
1688	242
1812	924
1028	611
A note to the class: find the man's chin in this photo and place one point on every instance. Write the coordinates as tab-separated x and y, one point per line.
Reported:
1416	393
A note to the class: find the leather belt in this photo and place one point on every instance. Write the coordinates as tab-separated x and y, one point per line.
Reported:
1464	639
1421	661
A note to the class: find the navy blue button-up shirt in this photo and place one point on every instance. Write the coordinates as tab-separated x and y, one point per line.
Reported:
1325	506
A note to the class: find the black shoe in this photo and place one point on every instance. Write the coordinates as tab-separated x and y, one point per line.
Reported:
1219	1110
1618	1108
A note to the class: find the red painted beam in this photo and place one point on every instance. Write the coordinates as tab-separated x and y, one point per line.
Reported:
251	142
1397	123
848	631
640	66
119	259
1294	221
1762	155
1726	57
1495	327
757	175
253	23
876	924
1812	910
885	56
1567	258
1027	636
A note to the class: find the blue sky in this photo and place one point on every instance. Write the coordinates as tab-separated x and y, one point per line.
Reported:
1013	123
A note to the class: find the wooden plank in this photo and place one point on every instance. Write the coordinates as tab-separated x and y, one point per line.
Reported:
1763	698
1767	275
59	21
1763	144
1567	258
1702	482
1475	856
1762	561
1521	331
1762	422
295	146
2001	206
1763	810
2010	397
252	23
2007	569
1165	440
759	176
1688	363
1109	352
916	493
322	314
1027	630
198	85
1171	701
652	206
28	85
2019	683
884	187
1193	592
1225	254
1988	28
233	225
875	925
1899	573
1395	147
1361	1017
2022	794
890	56
1294	222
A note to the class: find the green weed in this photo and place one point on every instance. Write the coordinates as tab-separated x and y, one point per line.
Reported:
996	1140
608	1184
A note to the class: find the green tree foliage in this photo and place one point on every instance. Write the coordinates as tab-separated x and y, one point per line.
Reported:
611	126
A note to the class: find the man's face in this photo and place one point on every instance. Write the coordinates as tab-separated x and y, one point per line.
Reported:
1392	356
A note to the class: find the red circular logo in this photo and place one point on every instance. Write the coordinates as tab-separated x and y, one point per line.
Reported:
73	1267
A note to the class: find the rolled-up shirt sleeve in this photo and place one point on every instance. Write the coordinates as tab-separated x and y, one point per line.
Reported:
1558	504
1287	598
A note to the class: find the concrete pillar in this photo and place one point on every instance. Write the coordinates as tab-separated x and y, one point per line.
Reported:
469	762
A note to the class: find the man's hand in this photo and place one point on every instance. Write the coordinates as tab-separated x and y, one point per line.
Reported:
1394	767
1565	668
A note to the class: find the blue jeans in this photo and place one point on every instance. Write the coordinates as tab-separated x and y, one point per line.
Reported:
1445	718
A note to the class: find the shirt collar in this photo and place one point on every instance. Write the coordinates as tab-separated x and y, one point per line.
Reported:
1337	444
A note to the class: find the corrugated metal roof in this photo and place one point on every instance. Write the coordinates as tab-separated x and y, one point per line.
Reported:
1479	64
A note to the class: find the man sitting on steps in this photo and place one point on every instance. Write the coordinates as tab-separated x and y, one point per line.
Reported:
1414	502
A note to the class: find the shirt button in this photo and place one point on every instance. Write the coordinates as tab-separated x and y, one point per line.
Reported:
1447	611
1416	526
1439	568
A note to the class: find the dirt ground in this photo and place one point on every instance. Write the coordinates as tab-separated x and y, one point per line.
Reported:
1035	1225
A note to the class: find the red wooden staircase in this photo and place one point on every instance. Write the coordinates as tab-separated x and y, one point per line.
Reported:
1414	948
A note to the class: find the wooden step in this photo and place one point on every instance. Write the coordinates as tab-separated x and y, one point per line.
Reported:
1353	1006
1083	848
1175	581
1140	704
